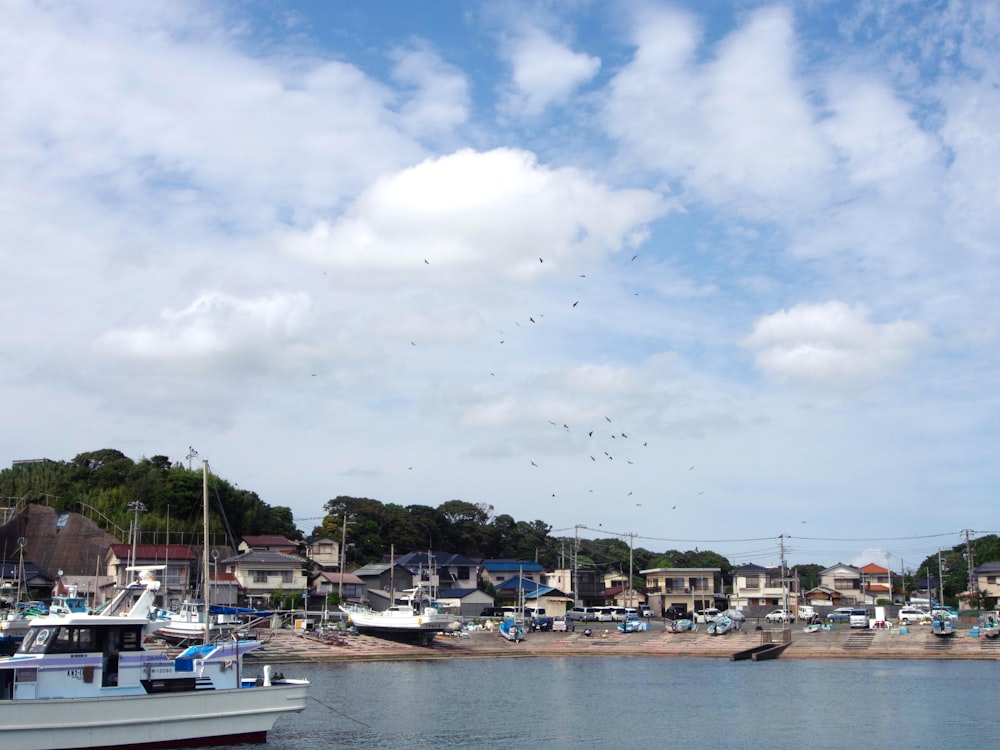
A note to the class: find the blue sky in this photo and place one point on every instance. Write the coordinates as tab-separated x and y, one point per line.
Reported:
709	273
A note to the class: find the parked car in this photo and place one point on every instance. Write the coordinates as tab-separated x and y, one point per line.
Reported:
912	614
619	614
676	613
841	614
859	618
605	614
779	615
646	612
707	615
541	622
582	614
806	613
562	624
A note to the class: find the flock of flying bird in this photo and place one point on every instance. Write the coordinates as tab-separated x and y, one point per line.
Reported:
600	449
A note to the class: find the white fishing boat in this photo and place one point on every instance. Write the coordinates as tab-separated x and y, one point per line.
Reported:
418	619
187	624
86	681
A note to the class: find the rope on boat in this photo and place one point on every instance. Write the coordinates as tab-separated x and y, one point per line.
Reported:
330	708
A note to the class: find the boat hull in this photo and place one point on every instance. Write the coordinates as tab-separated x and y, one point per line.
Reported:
400	626
163	720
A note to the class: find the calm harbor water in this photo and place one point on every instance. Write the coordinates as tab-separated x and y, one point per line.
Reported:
621	702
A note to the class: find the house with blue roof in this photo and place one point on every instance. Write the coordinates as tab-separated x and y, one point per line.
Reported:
497	571
554	602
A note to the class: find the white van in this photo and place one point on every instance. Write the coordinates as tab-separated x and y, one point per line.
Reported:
859	618
582	614
707	615
605	614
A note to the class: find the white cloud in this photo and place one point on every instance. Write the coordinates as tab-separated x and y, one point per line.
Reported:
737	129
164	112
832	344
470	215
544	72
216	328
441	100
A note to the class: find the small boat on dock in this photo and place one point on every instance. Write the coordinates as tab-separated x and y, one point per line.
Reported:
512	630
943	626
720	626
773	651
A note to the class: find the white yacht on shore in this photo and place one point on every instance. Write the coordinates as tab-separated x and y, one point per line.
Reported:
418	619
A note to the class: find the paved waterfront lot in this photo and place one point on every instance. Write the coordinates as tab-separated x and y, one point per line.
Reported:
840	643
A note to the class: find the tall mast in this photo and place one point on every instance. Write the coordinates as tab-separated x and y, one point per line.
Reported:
204	557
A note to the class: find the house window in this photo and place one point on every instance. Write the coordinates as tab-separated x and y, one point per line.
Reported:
991	579
286	576
752	582
258	576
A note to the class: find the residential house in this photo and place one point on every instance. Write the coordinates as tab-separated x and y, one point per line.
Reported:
325	552
226	590
380	580
262	573
268	543
764	586
33	582
619	593
517	591
495	572
348	585
178	580
987	578
876	584
823	596
465	602
586	586
440	570
844	581
690	589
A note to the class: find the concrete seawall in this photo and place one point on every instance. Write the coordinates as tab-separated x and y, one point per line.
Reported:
918	643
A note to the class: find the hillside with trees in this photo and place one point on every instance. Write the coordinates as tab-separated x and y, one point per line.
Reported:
102	484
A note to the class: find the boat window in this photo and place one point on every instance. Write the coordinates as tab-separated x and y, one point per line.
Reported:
71	639
26	675
131	640
36	640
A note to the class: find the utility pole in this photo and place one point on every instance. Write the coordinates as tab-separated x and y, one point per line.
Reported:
888	571
343	560
940	581
631	543
784	576
971	586
576	554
